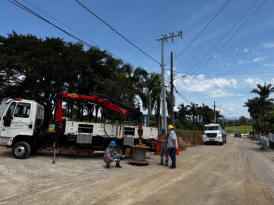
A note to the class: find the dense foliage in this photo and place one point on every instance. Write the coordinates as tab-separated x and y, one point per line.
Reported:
39	69
261	108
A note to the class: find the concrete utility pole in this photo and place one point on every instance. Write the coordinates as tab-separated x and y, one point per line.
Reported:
163	39
215	111
171	90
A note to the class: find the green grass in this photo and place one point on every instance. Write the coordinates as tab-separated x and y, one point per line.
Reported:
229	130
241	129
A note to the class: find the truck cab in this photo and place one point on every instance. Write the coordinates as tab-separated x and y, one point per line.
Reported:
214	133
18	125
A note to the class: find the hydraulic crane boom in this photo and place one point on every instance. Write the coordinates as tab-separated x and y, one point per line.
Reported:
100	101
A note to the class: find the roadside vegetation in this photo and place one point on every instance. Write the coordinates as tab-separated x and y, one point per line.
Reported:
39	69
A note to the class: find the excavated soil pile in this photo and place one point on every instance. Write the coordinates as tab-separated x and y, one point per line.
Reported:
189	140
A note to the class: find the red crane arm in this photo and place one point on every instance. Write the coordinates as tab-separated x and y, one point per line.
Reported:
94	99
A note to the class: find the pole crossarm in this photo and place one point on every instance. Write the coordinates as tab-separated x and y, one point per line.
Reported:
171	36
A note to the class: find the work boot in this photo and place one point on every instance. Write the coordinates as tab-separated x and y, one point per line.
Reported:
172	167
166	163
161	163
118	165
107	166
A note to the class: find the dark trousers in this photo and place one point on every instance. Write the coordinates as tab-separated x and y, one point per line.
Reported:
172	152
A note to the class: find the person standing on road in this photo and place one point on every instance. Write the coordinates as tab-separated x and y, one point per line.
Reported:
172	145
163	147
111	155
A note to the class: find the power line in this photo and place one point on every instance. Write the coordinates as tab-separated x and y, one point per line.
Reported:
15	2
232	36
63	24
223	36
203	29
35	14
177	31
148	17
187	49
116	31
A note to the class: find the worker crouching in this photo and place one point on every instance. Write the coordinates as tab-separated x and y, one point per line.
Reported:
163	147
111	155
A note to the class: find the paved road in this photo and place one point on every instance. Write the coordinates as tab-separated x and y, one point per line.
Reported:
236	173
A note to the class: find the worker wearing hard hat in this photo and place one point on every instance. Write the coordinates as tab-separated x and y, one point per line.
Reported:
163	147
172	145
111	155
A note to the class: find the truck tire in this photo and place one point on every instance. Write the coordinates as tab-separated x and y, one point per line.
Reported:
221	143
21	150
205	143
120	149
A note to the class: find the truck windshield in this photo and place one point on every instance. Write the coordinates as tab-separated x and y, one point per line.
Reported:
212	128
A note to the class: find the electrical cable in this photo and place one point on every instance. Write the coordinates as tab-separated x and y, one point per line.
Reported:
15	2
223	36
69	28
116	31
232	35
203	29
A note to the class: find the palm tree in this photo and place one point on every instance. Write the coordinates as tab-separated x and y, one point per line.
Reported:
264	93
152	89
182	113
193	111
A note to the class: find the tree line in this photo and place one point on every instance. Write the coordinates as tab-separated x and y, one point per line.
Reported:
39	69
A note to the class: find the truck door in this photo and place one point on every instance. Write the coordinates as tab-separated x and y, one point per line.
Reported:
17	118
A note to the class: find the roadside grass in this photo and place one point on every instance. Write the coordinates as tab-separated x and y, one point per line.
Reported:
241	129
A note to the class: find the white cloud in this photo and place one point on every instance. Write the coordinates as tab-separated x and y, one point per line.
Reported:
258	59
231	109
201	77
241	62
228	64
219	93
269	65
252	82
236	49
214	86
246	50
268	45
217	56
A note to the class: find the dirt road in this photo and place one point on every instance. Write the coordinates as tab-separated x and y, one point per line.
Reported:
236	173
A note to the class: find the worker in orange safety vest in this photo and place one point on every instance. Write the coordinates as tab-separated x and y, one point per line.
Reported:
163	147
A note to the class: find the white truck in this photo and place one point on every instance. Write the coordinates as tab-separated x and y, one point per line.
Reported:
25	129
214	133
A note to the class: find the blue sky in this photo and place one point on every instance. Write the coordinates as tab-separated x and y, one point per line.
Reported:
225	75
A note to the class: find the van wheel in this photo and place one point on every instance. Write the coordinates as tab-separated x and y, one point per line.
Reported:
21	150
221	143
205	143
120	149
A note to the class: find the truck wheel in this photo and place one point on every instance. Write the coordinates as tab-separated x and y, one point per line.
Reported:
205	143
221	143
21	150
120	149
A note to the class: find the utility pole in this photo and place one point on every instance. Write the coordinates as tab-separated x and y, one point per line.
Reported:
163	39
171	90
215	111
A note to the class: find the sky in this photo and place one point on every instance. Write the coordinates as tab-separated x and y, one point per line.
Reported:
226	48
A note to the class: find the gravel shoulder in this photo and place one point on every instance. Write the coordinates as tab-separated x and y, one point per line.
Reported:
236	173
